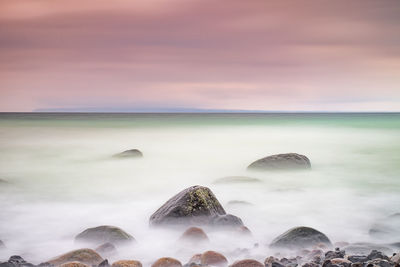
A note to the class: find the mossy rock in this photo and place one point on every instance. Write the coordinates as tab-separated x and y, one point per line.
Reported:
104	234
288	161
196	204
85	255
299	238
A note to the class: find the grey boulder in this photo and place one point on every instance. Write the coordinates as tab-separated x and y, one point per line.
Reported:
104	234
288	161
300	237
131	153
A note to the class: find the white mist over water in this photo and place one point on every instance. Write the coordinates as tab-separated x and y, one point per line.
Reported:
62	179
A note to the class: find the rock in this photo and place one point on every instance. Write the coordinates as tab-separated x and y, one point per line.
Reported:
85	255
357	258
286	161
226	220
16	261
395	258
74	264
386	228
2	245
195	234
193	206
247	263
131	153
104	234
104	264
300	238
335	254
375	254
196	259
213	258
341	262
127	263
310	264
378	263
363	248
236	179
272	262
106	249
167	262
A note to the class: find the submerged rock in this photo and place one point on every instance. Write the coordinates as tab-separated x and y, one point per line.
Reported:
194	234
104	234
106	249
236	179
213	258
131	153
300	238
167	262
289	161
127	263
195	205
16	261
85	255
247	263
227	220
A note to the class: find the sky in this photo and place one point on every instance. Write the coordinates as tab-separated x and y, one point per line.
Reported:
103	55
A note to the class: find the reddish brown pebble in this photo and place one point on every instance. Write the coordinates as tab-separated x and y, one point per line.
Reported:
247	263
167	262
127	263
194	234
213	258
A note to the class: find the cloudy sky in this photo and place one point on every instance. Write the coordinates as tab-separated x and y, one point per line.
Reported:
227	54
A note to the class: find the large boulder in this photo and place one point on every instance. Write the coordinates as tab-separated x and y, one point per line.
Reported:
104	234
213	258
85	255
167	262
127	263
300	238
131	153
288	161
247	263
195	205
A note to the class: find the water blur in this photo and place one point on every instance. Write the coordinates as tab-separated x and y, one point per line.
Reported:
58	177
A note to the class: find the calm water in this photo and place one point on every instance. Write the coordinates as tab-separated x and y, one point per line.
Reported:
58	177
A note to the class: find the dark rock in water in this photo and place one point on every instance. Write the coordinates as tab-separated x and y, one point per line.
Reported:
226	220
127	263
291	161
106	249
378	263
16	261
236	179
195	205
375	254
247	263
104	234
335	254
356	258
104	263
167	262
341	262
363	248
300	238
194	234
85	255
131	153
387	228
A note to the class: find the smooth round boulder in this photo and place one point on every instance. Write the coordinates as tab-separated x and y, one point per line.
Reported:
167	262
127	263
213	258
74	264
193	205
288	161
131	153
104	234
194	234
106	249
300	238
85	255
247	263
226	220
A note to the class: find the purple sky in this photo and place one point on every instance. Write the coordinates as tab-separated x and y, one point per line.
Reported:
256	55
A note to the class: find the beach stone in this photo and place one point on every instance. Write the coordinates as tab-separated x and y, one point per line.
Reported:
104	234
272	262
127	263
375	254
236	179
310	264
195	234
341	262
300	238
106	249
286	161
74	264
195	259
104	264
357	258
213	258
194	205
131	153
85	255
378	263
247	263
227	220
335	254
167	262
395	258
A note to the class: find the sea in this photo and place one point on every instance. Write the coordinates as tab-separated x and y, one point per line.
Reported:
58	177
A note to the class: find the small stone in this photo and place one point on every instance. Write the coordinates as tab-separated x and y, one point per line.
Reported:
74	264
335	254
378	263
247	263
357	258
195	259
104	264
300	238
375	254
104	234
195	234
86	256
167	262
127	263
213	258
288	161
